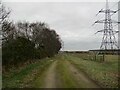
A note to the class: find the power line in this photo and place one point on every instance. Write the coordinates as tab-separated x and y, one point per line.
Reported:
108	39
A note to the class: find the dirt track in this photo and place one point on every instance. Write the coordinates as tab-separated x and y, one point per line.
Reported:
51	78
81	78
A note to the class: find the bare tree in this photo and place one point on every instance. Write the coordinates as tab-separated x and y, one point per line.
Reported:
4	13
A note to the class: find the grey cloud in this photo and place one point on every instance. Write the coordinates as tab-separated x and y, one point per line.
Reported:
72	21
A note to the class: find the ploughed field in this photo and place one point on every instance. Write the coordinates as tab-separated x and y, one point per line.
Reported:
64	71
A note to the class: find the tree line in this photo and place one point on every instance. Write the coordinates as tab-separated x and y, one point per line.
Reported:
23	41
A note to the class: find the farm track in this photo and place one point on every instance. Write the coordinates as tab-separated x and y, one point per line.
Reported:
64	71
52	78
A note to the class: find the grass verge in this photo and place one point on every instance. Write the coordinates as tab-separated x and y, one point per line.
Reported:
21	78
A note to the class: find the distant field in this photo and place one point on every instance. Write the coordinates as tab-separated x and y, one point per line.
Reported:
105	73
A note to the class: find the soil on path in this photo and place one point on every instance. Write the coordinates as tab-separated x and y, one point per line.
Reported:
81	77
52	80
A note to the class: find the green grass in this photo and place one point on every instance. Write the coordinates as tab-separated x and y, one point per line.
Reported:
21	78
105	73
68	81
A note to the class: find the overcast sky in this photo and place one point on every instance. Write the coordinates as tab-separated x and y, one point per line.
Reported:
71	20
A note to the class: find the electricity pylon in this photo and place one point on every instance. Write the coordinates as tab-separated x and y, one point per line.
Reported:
108	39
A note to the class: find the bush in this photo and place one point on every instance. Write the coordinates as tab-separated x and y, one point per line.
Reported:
17	51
